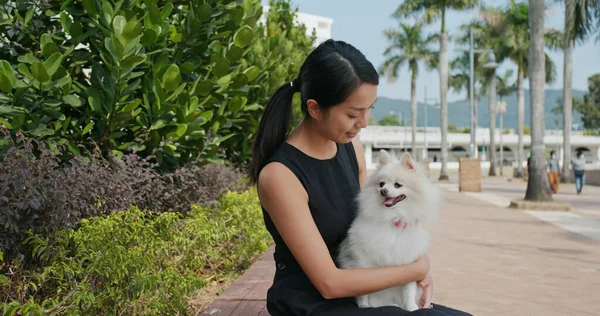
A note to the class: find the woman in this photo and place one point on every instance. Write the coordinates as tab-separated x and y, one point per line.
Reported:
579	170
553	170
307	182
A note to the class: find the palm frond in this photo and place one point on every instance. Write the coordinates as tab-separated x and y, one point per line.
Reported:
432	62
391	67
494	18
407	46
409	8
503	87
459	82
583	16
550	69
554	39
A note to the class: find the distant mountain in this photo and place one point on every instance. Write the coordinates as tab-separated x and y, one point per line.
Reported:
459	111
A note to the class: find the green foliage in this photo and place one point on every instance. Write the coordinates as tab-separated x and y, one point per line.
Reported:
408	46
279	53
432	10
590	107
452	128
526	130
578	105
43	194
390	120
138	263
506	30
591	132
163	80
173	82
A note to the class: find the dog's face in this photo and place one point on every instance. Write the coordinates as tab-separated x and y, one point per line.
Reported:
399	189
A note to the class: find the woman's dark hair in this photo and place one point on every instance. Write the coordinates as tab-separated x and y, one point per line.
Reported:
329	75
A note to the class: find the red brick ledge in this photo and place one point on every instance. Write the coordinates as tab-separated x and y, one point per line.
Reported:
247	295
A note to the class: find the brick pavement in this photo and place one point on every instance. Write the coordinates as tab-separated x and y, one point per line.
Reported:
486	260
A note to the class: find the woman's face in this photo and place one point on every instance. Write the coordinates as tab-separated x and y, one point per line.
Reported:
341	123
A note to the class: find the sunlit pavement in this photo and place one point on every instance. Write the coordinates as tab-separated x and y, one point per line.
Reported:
488	259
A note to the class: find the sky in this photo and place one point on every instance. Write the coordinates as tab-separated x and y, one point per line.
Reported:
361	23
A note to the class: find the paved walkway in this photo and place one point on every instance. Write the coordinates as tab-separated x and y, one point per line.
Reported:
486	259
584	218
491	260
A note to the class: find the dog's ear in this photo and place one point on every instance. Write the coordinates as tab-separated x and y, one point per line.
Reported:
384	157
407	161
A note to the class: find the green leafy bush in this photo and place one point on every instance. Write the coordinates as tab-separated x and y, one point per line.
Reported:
148	77
171	82
44	194
136	262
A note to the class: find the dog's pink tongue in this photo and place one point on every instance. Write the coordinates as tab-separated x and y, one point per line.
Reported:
388	201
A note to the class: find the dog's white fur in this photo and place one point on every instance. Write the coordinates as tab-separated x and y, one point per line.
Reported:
376	240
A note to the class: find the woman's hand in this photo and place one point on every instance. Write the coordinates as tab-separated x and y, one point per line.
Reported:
427	286
422	265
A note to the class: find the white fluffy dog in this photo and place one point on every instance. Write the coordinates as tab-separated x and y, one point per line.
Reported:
395	206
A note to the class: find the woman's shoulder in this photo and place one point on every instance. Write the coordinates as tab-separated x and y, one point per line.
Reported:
278	176
281	164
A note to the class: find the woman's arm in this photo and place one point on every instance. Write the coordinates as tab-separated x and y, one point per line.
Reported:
286	201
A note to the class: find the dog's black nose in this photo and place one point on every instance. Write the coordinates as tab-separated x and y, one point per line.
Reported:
383	192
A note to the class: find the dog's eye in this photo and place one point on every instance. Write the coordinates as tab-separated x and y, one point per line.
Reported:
397	185
381	184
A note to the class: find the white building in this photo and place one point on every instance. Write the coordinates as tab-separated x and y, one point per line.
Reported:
321	24
397	139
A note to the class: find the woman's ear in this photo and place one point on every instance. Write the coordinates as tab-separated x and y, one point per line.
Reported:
313	109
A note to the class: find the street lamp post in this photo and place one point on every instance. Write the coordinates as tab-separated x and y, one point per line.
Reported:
490	64
501	109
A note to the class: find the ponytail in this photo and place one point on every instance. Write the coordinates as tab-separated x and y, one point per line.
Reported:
273	128
330	74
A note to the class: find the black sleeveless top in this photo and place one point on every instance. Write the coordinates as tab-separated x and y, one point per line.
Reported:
331	185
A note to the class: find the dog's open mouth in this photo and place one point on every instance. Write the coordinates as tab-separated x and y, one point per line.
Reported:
391	201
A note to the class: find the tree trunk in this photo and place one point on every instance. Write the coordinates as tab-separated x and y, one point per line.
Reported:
567	92
520	119
444	103
538	188
492	106
413	112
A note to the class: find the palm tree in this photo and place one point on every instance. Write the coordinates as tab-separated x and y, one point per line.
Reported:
434	9
503	87
513	24
408	47
459	75
579	16
538	188
459	78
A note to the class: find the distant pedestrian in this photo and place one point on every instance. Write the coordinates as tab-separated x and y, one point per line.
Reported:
579	170
553	171
434	158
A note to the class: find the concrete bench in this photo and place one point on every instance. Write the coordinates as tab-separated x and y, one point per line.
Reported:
247	295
